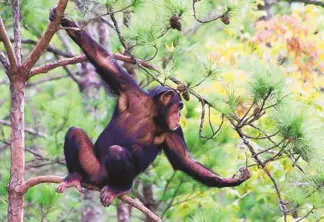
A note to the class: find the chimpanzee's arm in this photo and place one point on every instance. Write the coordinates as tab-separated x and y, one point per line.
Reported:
116	78
176	152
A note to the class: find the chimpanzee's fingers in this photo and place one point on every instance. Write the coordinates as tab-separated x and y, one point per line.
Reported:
52	15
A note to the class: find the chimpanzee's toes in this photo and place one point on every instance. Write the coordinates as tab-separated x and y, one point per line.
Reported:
60	188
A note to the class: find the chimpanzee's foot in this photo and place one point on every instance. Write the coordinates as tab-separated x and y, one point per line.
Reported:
108	194
72	180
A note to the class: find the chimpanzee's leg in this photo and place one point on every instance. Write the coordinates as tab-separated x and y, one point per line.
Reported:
120	169
80	159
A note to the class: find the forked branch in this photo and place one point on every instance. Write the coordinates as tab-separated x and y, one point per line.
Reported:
23	188
46	37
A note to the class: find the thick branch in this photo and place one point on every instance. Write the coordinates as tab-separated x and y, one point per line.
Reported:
23	188
46	37
77	59
7	44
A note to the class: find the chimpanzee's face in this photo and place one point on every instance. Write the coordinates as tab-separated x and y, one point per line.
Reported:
173	115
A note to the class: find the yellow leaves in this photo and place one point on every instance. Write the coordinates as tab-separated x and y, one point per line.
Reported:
170	48
227	52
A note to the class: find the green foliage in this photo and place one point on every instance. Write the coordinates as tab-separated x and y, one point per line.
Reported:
200	56
297	125
207	215
264	78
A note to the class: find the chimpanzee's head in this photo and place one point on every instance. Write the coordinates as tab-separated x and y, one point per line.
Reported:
169	104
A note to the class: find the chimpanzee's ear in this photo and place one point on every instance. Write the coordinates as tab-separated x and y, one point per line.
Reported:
166	97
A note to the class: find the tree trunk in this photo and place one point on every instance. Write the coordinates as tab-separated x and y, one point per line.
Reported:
16	199
149	199
90	212
266	7
123	212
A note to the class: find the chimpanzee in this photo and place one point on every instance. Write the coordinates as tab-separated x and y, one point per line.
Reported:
143	124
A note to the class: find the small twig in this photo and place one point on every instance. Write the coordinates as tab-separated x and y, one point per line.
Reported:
309	2
166	187
113	19
188	199
263	165
259	137
27	130
172	199
247	112
48	79
49	48
206	21
309	212
270	148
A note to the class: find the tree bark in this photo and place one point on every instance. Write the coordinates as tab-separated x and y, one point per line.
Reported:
90	212
123	212
149	199
16	199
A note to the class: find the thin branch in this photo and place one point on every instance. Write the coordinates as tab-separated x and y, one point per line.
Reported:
172	199
23	188
49	48
113	19
46	37
270	148
7	44
209	20
17	35
308	2
48	79
62	62
263	165
309	212
27	130
166	187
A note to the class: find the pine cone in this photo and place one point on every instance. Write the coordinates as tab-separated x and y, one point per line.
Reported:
181	87
225	19
186	95
175	23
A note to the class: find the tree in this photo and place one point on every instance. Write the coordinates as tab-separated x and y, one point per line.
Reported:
257	118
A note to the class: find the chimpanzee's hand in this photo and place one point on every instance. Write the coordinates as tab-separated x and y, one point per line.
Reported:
52	15
244	174
65	21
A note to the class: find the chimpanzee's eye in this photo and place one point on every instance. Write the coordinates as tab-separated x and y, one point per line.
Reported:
181	105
